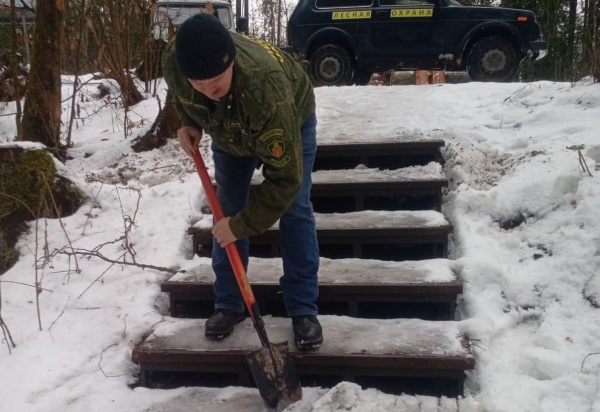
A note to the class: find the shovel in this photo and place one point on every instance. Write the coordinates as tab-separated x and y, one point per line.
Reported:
272	367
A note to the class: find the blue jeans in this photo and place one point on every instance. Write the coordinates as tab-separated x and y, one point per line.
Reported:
298	237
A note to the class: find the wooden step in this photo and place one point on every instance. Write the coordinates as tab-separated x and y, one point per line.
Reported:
383	235
354	287
384	154
409	188
397	353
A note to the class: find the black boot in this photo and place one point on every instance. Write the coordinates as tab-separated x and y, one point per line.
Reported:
221	323
308	334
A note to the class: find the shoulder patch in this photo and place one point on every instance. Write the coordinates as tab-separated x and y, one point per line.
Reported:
188	102
273	51
281	162
270	134
184	100
277	149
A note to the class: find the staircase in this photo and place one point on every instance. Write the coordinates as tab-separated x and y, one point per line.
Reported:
387	290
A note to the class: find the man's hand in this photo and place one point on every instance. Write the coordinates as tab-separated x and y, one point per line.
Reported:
222	233
189	138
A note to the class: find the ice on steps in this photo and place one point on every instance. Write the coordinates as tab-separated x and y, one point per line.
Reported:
339	271
343	335
366	219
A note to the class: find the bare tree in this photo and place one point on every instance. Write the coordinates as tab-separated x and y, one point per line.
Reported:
42	110
14	68
116	25
269	21
571	36
591	35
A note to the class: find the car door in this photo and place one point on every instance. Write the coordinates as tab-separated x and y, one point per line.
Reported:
353	17
408	33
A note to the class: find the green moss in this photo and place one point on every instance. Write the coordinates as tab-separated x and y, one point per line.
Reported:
26	179
8	255
29	189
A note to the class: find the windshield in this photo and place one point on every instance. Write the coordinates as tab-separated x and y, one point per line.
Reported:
179	13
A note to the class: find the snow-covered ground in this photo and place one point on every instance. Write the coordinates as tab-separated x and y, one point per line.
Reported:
527	241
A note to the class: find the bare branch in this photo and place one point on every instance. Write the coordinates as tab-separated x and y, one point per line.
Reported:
25	284
83	252
77	270
587	356
98	278
59	316
5	331
89	214
129	223
100	362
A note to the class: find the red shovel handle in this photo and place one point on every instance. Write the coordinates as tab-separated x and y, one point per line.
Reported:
232	252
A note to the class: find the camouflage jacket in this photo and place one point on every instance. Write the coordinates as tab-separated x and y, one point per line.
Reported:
270	98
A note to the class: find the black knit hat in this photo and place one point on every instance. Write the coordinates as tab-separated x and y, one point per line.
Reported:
204	47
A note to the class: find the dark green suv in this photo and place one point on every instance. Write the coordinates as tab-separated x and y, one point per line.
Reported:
345	41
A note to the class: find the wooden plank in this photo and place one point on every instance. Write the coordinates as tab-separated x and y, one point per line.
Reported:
412	188
376	188
408	188
386	277
430	77
429	176
351	287
403	235
363	223
352	348
391	154
344	148
373	342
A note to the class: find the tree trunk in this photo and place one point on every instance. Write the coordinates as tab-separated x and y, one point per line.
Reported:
131	94
41	117
165	127
14	68
571	39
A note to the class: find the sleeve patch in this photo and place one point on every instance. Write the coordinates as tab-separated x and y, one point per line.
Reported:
270	134
277	149
280	162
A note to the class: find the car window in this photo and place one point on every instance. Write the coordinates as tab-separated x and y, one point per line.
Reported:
406	2
330	4
178	14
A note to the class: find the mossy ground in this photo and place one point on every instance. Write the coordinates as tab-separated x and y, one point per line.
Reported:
29	189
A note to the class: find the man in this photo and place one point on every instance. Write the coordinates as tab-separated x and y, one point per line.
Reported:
258	106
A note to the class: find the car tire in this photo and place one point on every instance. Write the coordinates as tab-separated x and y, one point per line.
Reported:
493	59
330	65
361	77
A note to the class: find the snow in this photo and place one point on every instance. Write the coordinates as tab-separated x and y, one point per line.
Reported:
526	243
366	219
406	337
432	171
339	271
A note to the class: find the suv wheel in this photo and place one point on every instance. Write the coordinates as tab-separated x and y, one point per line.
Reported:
492	59
330	65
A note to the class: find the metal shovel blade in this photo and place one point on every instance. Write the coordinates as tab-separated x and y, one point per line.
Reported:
275	375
